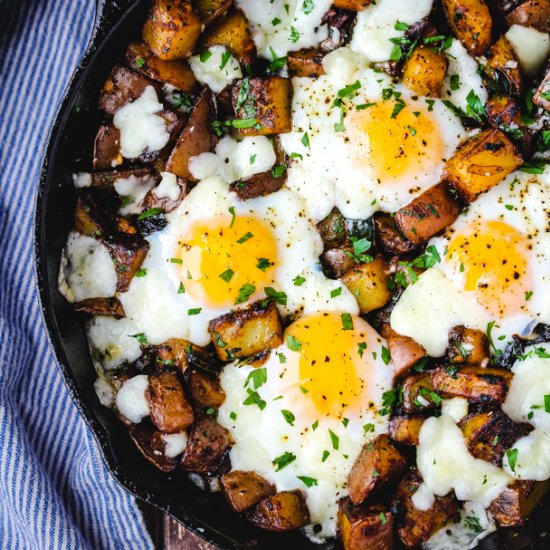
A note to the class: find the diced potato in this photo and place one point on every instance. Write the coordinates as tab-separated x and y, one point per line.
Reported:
89	219
542	95
127	253
308	62
389	237
172	29
106	148
480	163
503	110
333	230
489	434
170	410
406	429
196	137
531	13
257	185
365	528
177	72
245	489
428	214
473	383
418	393
468	345
339	22
247	331
424	71
351	5
378	463
417	526
502	58
101	306
205	390
514	505
166	204
232	32
106	179
265	100
151	445
284	511
212	10
182	355
405	351
471	22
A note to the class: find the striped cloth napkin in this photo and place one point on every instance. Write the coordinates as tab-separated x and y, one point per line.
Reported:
54	489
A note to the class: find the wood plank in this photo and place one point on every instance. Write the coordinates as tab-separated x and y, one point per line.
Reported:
177	537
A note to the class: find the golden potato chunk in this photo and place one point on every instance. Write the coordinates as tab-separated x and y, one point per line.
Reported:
212	10
245	489
110	307
502	58
468	345
406	429
127	253
425	70
471	22
532	13
172	29
351	5
205	390
480	163
284	511
247	331
306	63
107	148
389	237
418	393
503	110
404	351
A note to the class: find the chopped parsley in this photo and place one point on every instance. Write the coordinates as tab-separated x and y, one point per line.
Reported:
288	416
258	377
284	460
361	347
334	439
308	481
298	280
141	338
247	236
347	321
244	293
227	275
263	263
293	343
277	297
194	311
254	399
386	357
225	58
512	456
149	213
205	56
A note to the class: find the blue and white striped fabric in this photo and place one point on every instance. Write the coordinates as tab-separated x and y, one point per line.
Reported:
54	489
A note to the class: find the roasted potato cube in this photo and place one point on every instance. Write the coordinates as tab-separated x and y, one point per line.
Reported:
514	505
247	331
364	528
284	511
337	261
473	383
333	230
351	5
205	390
245	489
378	463
127	253
266	100
503	110
471	22
196	137
172	29
369	284
308	62
89	219
212	10
257	185
170	410
404	351
468	345
389	237
177	73
406	429
233	33
489	434
418	393
165	203
106	148
480	163
151	445
501	58
417	526
339	23
101	306
424	71
182	355
531	13
542	95
428	214
207	447
108	178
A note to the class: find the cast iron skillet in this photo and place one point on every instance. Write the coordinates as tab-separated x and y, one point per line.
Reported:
70	149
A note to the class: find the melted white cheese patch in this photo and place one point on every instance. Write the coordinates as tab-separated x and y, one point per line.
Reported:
131	400
217	70
168	187
141	128
174	444
133	190
82	180
532	47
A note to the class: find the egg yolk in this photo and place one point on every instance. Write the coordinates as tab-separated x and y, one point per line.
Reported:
492	257
333	363
399	142
226	261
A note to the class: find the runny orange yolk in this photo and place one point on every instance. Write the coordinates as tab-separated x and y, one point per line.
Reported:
227	261
406	144
492	256
331	372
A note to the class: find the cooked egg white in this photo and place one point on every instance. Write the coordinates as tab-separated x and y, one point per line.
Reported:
495	268
301	419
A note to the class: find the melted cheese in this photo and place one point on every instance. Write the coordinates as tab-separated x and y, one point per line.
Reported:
131	400
531	47
168	187
208	68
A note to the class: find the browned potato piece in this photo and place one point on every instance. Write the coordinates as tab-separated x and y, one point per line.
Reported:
177	73
284	511
101	306
418	393
378	462
503	110
542	95
333	230
257	185
207	447
269	98
196	137
351	5
170	410
127	253
247	331
471	22
468	345
337	261
428	214
369	284
404	351
424	71
514	505
181	355
473	383
106	148
531	13
151	445
212	10
480	163
108	178
89	219
489	434
501	58
388	236
172	29
166	204
233	33
364	528
308	62
406	429
245	489
205	390
417	526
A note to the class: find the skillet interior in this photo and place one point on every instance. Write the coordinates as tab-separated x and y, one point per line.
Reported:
72	138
